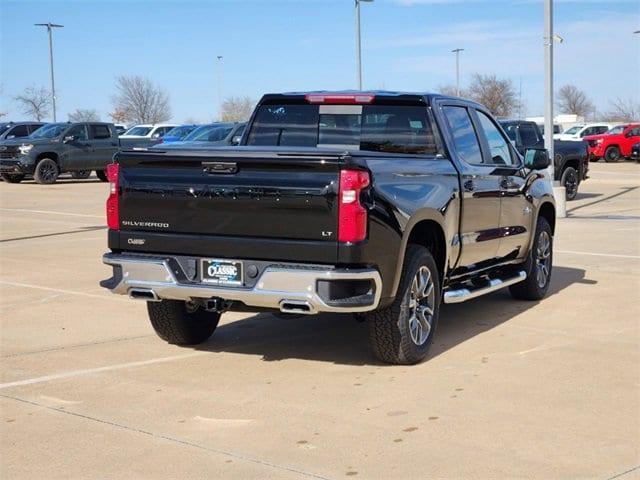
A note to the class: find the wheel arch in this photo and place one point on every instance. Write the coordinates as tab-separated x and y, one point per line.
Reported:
548	211
429	232
52	155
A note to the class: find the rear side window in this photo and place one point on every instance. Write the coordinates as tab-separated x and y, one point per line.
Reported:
100	132
528	134
377	128
464	135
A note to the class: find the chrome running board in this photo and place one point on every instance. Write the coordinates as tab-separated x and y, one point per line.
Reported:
464	294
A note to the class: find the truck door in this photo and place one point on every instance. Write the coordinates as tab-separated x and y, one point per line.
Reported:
77	152
516	212
104	145
480	212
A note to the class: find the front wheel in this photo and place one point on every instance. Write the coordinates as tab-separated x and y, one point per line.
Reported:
12	177
403	332
181	323
570	182
538	265
102	175
612	155
81	174
46	172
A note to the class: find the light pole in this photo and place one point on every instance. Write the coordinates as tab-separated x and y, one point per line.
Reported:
50	26
220	58
549	38
358	47
457	52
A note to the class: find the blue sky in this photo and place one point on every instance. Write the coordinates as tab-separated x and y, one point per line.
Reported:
280	45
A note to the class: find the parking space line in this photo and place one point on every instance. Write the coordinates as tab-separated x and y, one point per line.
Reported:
597	254
51	212
60	290
108	368
159	436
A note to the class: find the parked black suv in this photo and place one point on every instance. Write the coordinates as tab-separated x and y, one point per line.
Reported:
11	130
382	204
59	147
571	162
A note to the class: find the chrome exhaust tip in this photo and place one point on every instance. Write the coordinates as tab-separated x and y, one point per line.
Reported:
143	294
296	306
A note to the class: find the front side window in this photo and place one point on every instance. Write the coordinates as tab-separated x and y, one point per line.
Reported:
209	133
573	130
464	135
79	132
617	130
498	145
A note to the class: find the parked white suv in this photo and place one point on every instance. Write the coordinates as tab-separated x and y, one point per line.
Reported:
577	132
148	131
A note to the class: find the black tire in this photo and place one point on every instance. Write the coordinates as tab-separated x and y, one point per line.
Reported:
176	324
391	335
46	172
102	175
12	177
533	288
612	155
81	174
570	182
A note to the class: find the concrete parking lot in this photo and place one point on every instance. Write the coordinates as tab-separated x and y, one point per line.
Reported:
511	390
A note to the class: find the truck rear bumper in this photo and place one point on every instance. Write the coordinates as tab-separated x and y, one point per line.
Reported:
289	288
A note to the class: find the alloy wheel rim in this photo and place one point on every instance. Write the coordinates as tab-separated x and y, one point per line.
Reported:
543	259
48	172
421	306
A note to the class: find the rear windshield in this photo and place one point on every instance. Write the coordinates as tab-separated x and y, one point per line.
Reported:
138	131
375	128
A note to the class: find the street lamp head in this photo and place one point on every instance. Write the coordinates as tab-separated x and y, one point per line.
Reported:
457	50
558	38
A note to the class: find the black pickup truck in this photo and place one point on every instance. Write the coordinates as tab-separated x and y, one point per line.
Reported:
379	204
571	158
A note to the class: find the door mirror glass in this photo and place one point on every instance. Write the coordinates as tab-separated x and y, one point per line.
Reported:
536	158
69	139
236	140
9	137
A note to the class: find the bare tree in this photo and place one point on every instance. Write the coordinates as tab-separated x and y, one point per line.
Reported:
623	110
237	109
2	112
118	116
84	115
498	95
140	100
572	100
450	90
34	102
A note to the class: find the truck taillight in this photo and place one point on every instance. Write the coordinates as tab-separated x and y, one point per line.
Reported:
113	205
352	216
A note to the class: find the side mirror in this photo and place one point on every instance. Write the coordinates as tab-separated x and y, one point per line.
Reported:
69	139
155	135
236	140
536	159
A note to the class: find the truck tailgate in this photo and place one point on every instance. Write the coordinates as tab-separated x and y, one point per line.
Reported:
244	193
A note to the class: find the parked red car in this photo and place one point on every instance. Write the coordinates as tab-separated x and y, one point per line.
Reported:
614	144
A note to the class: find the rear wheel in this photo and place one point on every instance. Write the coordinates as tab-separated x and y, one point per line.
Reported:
612	155
46	172
403	332
12	177
81	174
538	265
102	175
180	323
570	182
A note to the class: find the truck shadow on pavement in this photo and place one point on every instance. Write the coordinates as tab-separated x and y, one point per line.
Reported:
341	339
